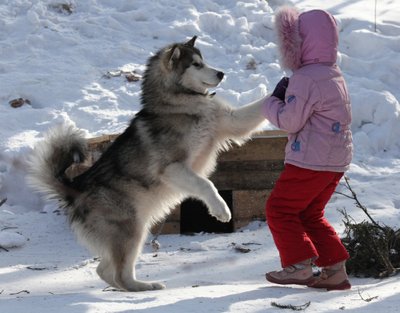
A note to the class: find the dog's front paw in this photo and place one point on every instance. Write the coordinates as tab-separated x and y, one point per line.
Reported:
221	212
223	217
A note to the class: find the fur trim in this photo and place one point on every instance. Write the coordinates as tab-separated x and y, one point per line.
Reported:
289	40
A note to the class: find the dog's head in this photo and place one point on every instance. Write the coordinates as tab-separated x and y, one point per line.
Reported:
185	66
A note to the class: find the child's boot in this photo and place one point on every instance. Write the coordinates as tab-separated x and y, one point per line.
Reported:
299	274
332	277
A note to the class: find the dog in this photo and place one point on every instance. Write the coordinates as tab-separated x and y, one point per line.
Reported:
164	156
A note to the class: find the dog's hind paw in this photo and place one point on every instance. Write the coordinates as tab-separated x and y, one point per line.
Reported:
158	286
138	285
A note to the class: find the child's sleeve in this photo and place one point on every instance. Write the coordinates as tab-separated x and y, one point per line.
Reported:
291	115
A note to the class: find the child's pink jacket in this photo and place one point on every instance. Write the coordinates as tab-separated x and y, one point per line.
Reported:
316	112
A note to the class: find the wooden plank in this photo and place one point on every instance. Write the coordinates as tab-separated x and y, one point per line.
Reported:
170	227
247	175
249	180
249	204
258	148
254	165
102	139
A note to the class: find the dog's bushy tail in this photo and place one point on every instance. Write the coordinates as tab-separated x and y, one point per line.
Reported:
62	146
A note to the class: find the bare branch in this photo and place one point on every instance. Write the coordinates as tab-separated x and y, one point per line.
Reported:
358	203
366	299
292	307
2	201
19	292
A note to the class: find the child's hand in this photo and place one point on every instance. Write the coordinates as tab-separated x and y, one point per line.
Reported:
280	89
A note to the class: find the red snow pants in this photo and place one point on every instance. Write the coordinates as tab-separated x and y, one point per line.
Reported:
295	216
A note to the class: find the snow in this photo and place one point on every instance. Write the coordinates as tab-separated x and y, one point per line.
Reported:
59	62
11	240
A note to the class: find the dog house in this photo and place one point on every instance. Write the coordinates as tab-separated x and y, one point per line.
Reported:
244	177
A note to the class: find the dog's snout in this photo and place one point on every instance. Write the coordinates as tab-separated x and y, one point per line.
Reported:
220	75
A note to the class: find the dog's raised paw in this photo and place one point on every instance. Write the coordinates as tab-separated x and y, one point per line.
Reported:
224	218
223	215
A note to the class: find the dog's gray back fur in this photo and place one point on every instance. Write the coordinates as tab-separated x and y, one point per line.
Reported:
165	155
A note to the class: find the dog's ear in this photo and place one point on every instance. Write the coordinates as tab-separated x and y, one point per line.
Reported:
173	55
191	42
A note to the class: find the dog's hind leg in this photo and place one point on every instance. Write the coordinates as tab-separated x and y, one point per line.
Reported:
106	272
124	254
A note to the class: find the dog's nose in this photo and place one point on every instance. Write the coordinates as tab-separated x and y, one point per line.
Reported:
220	75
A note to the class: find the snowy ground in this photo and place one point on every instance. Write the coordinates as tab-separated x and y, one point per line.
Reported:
59	61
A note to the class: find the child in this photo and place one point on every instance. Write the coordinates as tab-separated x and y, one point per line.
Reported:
313	107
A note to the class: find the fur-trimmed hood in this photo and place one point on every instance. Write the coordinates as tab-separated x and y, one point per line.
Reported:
306	38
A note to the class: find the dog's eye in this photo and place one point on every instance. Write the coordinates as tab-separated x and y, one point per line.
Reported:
195	64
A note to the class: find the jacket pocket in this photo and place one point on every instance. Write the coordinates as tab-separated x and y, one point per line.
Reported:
342	149
317	147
